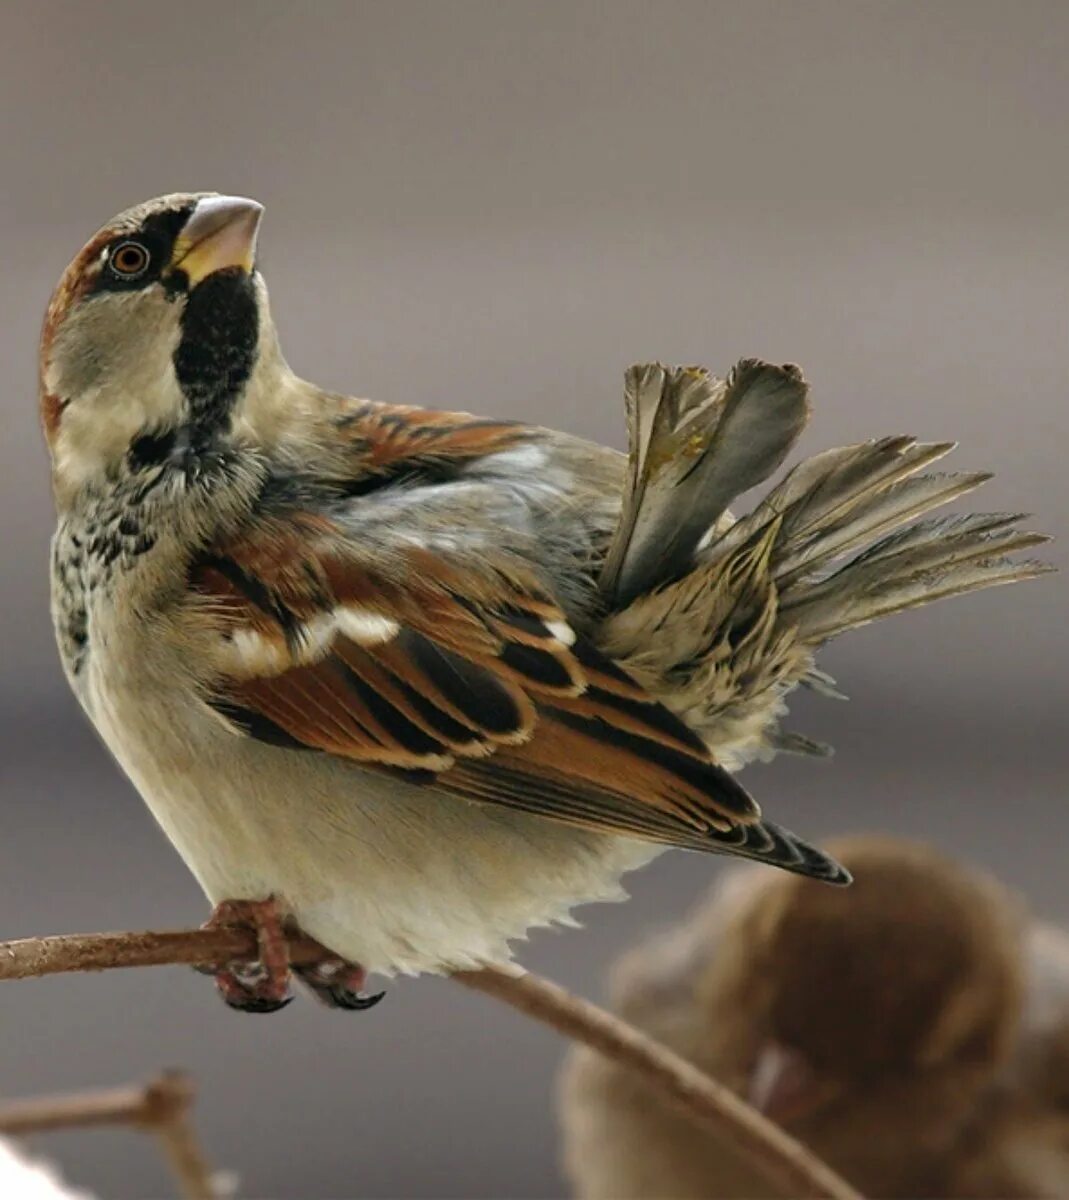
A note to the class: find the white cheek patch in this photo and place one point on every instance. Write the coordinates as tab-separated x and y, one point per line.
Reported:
99	425
112	363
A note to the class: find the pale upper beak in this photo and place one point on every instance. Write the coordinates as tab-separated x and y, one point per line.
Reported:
220	233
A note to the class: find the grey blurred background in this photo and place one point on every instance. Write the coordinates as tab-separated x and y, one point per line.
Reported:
497	206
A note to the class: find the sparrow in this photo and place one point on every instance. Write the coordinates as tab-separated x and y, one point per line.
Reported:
414	682
889	1034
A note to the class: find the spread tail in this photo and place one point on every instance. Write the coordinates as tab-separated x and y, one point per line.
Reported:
721	618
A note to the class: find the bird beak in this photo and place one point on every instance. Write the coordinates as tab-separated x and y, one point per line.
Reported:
784	1086
220	233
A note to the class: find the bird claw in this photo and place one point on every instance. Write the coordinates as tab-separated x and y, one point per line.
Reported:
240	995
356	1001
337	983
262	985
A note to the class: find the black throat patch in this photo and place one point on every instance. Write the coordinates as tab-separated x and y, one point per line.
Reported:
217	350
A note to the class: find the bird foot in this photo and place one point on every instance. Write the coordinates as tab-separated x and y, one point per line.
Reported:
337	983
262	985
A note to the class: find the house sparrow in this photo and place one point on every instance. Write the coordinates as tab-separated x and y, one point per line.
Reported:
881	1031
414	681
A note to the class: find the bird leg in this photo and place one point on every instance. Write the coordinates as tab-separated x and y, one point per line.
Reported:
262	984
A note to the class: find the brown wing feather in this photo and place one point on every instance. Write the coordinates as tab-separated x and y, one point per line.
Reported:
386	439
472	678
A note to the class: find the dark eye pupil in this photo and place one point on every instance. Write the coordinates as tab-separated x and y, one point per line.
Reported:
129	258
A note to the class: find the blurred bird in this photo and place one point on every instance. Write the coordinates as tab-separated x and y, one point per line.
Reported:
1022	1147
899	1032
415	681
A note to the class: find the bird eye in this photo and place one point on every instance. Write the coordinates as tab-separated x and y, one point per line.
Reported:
128	260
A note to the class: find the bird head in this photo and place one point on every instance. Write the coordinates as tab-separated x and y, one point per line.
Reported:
913	974
156	331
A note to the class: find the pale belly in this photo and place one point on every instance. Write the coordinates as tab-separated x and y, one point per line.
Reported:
395	877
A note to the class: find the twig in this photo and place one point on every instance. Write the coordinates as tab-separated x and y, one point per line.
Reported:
161	1107
784	1161
29	957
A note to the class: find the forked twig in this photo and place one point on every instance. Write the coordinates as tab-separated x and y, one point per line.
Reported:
161	1107
784	1161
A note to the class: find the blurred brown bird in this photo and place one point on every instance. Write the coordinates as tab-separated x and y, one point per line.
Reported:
1022	1149
899	1031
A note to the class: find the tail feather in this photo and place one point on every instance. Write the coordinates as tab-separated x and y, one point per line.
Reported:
882	513
857	601
722	618
928	560
696	443
832	492
859	475
994	530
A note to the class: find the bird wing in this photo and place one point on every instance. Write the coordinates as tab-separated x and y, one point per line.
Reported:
398	641
365	444
468	676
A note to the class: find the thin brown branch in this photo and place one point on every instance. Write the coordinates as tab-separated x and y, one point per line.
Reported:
784	1161
168	1117
42	1114
162	1107
30	957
